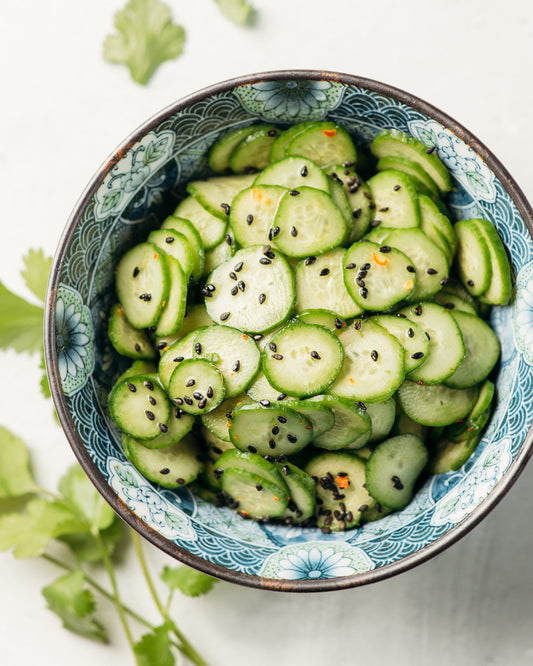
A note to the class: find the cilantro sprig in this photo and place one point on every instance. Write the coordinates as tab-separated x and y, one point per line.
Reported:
75	519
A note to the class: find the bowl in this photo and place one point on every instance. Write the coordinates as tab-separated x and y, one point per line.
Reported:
138	186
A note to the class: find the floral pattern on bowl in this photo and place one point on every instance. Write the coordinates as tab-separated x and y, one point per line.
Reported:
135	187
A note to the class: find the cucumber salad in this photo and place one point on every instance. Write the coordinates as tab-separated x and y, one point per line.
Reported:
308	329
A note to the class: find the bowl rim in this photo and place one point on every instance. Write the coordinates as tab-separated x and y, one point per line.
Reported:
256	581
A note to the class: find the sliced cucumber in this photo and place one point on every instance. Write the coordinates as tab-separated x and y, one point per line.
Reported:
210	227
187	229
173	307
341	490
233	352
393	469
252	495
138	368
446	345
450	456
422	181
341	201
142	284
253	463
302	493
140	407
253	212
377	277
435	405
219	253
373	367
473	261
432	218
309	223
176	245
359	198
325	143
500	287
256	298
454	303
351	429
197	386
179	425
215	446
302	359
294	173
395	199
172	467
261	390
281	144
127	340
253	151
319	284
274	431
396	143
219	155
216	194
217	419
412	338
321	317
382	417
321	416
174	355
405	425
477	419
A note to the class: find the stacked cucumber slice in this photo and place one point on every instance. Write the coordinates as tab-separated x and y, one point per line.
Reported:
307	345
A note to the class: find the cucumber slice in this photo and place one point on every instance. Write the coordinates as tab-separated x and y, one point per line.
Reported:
500	287
219	253
321	416
216	194
352	424
302	493
405	425
341	490
215	446
127	340
429	261
176	245
274	431
179	425
319	284
254	464
188	230
175	354
142	284
302	359
393	469
449	456
172	467
412	338
446	345
324	143
140	407
359	198
217	419
379	234
281	144
377	277
395	199
233	352
253	151
294	173
422	181
373	367
197	386
261	390
396	143
252	495
138	368
477	419
309	222
435	405
473	262
321	317
482	350
252	214
256	298
210	227
208	478
382	417
454	303
196	317
220	152
173	307
432	217
341	201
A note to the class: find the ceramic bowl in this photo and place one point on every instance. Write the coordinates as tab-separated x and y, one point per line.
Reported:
138	186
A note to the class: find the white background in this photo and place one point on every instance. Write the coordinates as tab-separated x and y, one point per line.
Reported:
63	110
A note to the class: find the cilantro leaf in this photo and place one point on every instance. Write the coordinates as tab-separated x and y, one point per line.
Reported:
84	500
237	11
87	549
21	323
154	649
29	533
188	581
145	38
37	271
74	604
15	475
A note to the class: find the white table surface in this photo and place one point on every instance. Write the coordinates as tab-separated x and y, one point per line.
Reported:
64	110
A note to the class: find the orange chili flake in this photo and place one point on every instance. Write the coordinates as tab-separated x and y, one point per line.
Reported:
420	383
239	403
163	304
276	499
156	255
120	311
228	423
166	348
351	380
308	427
329	132
409	284
257	194
245	336
342	481
381	261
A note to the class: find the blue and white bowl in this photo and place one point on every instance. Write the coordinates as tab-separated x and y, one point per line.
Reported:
133	193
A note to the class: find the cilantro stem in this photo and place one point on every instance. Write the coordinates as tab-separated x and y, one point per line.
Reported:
186	648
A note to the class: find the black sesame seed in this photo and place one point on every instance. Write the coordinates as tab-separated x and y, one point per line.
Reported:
303	171
210	287
236	366
353	189
350	266
270	234
401	315
362	274
234	290
249	219
265	403
282	419
262	299
362	406
315	354
294	193
430	150
418	310
227	237
252	449
470	283
431	271
336	178
357	324
374	355
444	281
259	487
275	231
165	470
396	483
272	132
411	269
198	348
131	387
145	297
325	530
385	249
281	396
294	231
410	333
363	507
197	395
178	401
277	357
187	399
225	207
162	427
149	415
357	213
136	271
310	260
264	261
272	346
270	255
427	335
238	267
151	400
216	450
360	283
178	412
202	403
138	347
292	438
324	271
397	187
375	223
272	443
191	382
449	306
241	285
224	316
363	292
180	481
417	355
286	470
232	275
149	385
338	323
365	267
257	337
275	430
178	359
